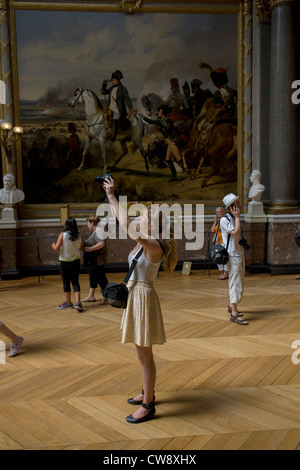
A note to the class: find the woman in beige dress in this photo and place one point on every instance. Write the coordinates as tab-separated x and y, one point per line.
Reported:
142	322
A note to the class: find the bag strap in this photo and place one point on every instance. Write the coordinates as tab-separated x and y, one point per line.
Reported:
161	245
228	238
133	265
218	228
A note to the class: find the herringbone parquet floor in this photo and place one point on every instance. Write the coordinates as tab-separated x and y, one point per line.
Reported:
219	385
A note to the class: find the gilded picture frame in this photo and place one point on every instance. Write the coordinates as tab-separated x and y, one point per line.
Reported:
193	8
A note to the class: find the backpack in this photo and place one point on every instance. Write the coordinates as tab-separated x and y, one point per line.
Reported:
219	253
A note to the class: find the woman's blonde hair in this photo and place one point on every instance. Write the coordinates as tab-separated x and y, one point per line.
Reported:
169	244
93	219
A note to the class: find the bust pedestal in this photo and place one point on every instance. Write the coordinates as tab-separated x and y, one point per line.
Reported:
8	216
255	212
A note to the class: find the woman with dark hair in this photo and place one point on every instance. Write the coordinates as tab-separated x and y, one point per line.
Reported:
69	244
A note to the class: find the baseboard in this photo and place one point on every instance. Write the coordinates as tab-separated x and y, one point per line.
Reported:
254	268
11	274
273	269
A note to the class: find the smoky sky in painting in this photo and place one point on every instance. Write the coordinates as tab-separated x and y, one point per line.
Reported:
59	51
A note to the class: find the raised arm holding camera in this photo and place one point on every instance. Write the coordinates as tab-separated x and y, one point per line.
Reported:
231	224
142	322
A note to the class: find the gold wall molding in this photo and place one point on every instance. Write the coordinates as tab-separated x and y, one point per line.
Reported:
129	5
275	3
264	11
220	7
3	4
247	7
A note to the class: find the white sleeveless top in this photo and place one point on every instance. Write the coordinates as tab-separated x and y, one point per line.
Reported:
144	271
70	250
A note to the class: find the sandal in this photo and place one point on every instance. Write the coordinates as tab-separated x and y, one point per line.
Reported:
230	311
235	319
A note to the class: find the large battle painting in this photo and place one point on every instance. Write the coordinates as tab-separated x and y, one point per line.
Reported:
150	99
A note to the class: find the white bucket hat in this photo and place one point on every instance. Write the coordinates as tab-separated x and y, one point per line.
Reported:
229	199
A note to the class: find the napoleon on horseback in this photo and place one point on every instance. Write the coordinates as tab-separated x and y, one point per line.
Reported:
119	102
98	126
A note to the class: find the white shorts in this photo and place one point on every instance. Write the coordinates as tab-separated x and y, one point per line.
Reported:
236	274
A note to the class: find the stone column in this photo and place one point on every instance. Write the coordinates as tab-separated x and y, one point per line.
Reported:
261	91
282	111
247	98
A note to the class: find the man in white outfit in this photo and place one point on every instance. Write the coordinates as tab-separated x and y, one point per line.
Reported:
231	226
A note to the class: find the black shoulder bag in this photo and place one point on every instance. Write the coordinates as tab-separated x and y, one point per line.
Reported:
117	294
218	253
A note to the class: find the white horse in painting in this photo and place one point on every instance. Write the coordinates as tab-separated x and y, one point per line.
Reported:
96	128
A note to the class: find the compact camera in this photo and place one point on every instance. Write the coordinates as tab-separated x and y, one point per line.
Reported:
243	242
101	179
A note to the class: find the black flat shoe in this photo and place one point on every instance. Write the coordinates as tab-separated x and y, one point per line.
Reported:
131	401
147	417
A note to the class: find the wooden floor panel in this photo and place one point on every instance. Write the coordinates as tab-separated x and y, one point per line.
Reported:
219	385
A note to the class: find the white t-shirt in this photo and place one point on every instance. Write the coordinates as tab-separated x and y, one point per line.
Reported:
227	226
70	250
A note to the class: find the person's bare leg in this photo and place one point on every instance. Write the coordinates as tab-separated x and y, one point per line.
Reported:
77	296
235	313
91	296
145	356
8	333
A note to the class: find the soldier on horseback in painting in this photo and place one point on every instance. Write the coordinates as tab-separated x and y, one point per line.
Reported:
214	134
171	137
221	108
225	96
199	96
176	101
119	102
157	151
187	93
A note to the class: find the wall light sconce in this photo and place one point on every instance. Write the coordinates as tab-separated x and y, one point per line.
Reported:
9	135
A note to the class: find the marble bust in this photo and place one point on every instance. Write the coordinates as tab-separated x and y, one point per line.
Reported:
256	206
9	194
257	188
